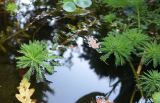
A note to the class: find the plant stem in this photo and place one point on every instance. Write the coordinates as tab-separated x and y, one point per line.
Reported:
132	97
133	70
138	18
135	74
140	67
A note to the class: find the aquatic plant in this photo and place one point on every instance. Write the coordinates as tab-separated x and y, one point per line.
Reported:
71	5
149	82
124	3
156	97
37	59
83	3
151	53
109	18
116	44
122	44
136	37
133	25
11	7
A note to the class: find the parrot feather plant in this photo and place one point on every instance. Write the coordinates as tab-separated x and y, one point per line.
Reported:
128	37
36	59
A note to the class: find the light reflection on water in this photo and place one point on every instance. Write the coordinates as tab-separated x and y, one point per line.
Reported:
70	84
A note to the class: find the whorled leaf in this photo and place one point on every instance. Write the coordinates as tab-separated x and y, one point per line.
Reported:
37	59
137	38
149	82
151	53
118	45
156	97
11	7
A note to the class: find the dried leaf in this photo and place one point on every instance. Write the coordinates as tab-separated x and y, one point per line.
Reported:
25	93
93	42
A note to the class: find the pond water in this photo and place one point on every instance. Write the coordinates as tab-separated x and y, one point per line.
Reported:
74	82
77	81
82	75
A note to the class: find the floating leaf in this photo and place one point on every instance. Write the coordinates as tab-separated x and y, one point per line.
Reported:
69	6
92	42
83	3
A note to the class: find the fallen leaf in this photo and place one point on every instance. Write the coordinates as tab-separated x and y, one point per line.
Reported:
25	93
93	42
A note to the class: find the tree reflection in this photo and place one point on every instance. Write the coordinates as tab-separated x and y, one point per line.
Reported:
8	83
102	69
37	26
41	90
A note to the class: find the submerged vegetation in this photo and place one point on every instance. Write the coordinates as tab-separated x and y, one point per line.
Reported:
128	31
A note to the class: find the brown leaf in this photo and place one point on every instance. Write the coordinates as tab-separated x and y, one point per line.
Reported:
93	42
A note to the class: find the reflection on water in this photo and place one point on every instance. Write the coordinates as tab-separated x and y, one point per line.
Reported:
83	75
71	84
75	82
8	83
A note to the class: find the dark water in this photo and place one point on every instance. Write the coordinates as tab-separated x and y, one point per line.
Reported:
82	75
75	82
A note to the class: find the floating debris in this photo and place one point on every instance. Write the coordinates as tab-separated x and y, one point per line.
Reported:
25	93
102	99
93	42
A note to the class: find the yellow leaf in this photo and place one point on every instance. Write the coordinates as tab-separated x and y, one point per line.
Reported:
25	93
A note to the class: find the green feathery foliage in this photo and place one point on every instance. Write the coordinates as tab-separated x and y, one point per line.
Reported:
109	18
37	59
151	53
118	45
136	37
156	97
11	7
149	82
122	45
124	3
